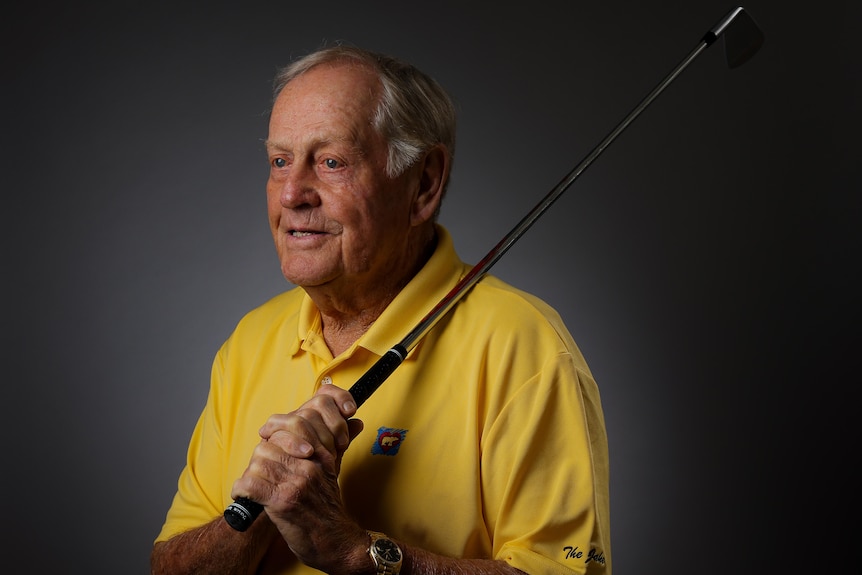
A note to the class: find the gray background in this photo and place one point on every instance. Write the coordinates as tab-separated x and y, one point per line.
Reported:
705	263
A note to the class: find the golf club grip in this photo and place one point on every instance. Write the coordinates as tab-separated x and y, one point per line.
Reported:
377	374
243	511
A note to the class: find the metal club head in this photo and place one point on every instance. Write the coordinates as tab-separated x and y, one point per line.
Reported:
742	36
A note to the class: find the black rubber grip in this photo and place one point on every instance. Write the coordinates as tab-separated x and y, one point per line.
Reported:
371	379
241	513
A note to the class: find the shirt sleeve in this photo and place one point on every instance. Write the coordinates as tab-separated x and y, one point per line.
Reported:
199	497
546	475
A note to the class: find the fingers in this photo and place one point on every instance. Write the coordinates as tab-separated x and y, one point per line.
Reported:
304	432
276	480
296	446
355	427
347	404
341	397
268	467
320	423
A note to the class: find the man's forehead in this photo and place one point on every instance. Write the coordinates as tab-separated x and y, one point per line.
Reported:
343	133
320	98
353	80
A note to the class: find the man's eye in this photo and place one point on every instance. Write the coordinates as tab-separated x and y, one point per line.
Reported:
330	163
279	162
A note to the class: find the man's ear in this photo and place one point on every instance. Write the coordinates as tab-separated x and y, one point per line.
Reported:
432	183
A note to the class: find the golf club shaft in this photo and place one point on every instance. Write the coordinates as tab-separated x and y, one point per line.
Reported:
377	374
242	512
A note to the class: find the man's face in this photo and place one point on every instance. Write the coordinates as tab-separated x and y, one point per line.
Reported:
336	218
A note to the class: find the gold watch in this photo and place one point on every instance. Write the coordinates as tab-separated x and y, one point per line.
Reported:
385	553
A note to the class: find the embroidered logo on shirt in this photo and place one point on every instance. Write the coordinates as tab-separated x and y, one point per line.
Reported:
388	441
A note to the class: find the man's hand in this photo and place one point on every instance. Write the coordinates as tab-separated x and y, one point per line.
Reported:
293	473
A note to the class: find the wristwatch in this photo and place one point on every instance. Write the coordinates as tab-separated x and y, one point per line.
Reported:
385	553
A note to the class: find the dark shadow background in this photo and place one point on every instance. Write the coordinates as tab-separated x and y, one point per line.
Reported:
706	263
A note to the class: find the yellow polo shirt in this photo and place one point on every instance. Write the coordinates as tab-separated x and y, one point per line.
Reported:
487	441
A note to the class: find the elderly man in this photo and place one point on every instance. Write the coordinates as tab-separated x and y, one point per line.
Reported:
485	451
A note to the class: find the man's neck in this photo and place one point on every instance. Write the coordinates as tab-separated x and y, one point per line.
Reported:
348	311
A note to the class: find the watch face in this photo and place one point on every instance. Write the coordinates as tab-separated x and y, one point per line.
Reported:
387	550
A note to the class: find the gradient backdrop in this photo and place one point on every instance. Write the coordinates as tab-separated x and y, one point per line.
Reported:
705	263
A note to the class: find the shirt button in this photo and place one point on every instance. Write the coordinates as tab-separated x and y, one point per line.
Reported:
326	380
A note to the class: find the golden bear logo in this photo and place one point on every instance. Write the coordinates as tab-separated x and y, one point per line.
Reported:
388	441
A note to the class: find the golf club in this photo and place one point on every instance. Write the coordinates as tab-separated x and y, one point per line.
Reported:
742	39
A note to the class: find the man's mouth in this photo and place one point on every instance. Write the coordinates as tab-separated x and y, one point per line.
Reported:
301	234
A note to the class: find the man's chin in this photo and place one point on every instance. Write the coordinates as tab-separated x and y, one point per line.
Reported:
305	278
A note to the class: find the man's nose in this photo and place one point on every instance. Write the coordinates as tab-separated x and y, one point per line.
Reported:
298	188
